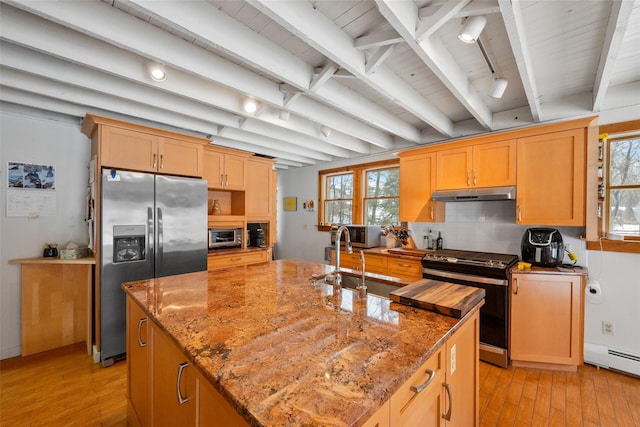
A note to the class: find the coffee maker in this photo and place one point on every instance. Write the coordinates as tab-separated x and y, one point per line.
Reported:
543	247
256	237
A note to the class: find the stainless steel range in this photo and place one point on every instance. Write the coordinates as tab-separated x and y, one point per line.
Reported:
489	271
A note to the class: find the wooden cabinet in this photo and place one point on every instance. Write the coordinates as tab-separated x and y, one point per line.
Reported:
213	409
130	149
225	169
216	262
555	302
138	364
551	179
174	384
417	182
375	263
260	200
482	165
445	390
404	268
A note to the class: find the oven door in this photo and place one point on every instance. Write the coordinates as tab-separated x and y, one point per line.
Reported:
494	320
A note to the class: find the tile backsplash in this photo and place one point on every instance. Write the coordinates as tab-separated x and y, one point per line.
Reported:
488	227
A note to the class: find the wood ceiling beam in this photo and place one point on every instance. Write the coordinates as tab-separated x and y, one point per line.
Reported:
429	25
223	141
125	31
616	27
377	58
378	39
514	24
472	9
301	19
206	22
403	17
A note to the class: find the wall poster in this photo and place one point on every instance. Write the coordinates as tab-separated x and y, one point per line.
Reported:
31	190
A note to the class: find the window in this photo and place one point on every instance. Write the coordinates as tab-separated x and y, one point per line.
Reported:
623	186
382	197
360	194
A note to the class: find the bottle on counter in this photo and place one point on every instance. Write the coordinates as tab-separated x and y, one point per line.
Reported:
431	242
439	241
425	242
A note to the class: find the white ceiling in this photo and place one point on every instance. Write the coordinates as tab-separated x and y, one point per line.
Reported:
382	75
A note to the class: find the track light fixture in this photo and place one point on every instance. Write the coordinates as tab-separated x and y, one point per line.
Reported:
250	106
499	84
472	29
156	71
326	131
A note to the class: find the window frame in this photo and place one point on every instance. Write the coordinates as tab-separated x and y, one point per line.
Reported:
359	190
609	188
365	187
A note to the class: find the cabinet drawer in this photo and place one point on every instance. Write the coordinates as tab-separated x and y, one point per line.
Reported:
223	261
375	261
404	268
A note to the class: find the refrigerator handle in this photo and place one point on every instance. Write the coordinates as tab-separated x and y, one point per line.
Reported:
150	231
160	246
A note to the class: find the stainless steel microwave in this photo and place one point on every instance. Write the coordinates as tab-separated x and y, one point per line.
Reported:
225	238
362	236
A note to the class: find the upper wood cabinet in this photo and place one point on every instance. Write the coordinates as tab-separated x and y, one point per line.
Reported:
134	147
225	169
417	182
260	199
555	302
481	165
551	179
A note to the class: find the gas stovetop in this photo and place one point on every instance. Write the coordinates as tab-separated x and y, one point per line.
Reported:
470	262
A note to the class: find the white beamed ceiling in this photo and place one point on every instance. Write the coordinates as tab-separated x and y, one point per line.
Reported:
383	75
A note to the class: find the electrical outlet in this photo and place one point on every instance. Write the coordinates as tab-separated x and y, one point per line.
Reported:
607	327
453	359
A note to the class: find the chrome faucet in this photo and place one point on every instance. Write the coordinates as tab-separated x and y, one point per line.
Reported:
362	287
348	249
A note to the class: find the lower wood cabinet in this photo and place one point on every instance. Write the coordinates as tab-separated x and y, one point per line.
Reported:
404	268
547	319
387	265
444	391
138	365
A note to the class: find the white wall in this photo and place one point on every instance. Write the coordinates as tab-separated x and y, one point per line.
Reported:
481	226
40	141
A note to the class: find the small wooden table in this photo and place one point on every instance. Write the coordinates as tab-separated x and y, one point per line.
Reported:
56	302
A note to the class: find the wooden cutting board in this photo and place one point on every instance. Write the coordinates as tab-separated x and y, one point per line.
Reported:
442	297
410	252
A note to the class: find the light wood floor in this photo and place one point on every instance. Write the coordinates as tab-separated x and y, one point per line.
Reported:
65	387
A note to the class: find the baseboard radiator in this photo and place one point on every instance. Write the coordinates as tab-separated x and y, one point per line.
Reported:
604	357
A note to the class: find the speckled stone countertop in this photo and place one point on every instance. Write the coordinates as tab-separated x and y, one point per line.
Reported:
572	270
286	352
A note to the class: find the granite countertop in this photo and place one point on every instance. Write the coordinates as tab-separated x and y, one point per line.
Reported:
230	251
285	351
572	270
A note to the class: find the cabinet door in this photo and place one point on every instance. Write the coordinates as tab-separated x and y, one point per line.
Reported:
258	193
375	263
170	374
138	362
213	409
453	168
462	375
494	164
178	157
212	164
127	149
419	401
234	172
551	179
417	182
351	261
546	318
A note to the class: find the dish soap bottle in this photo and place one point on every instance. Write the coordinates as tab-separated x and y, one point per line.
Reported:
439	241
425	242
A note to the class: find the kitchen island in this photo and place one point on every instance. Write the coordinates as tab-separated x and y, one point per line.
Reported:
265	346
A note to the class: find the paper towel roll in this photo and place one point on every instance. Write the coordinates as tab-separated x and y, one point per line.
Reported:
594	292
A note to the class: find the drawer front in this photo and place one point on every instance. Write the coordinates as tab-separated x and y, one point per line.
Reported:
375	269
379	261
351	261
223	261
405	269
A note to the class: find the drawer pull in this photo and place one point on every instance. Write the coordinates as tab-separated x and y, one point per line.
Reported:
404	265
432	375
155	156
140	322
516	288
236	259
181	400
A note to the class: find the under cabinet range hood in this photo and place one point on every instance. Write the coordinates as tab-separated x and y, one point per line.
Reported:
475	194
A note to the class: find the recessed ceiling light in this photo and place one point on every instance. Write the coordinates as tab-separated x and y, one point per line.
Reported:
250	106
157	71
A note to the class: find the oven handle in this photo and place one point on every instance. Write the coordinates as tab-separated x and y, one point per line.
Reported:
467	277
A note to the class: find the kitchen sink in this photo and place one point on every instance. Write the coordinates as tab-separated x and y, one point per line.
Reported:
375	287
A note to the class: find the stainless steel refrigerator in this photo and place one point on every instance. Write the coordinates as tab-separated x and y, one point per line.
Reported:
151	226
